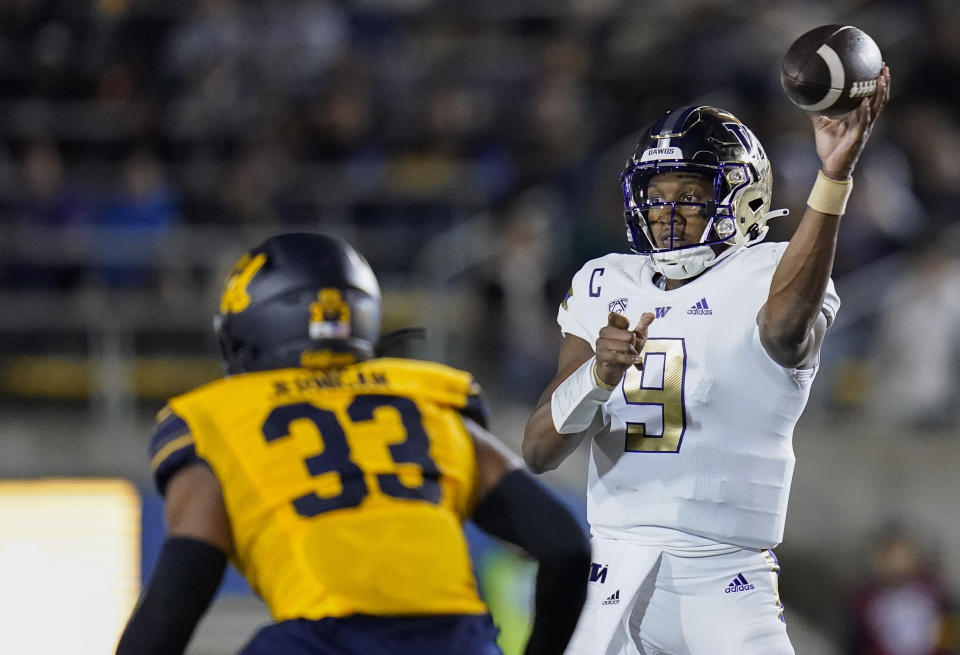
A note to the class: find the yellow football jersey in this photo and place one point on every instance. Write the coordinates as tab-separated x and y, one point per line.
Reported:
346	488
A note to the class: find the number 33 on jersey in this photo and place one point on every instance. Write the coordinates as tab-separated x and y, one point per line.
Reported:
370	463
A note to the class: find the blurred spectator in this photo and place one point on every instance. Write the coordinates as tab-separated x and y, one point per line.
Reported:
133	221
341	123
902	608
46	199
560	127
207	99
914	363
45	220
251	191
526	337
395	122
930	133
294	43
885	215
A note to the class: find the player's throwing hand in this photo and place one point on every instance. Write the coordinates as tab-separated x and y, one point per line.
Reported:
841	139
618	346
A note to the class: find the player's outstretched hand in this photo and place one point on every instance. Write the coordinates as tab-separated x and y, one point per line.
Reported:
618	347
841	139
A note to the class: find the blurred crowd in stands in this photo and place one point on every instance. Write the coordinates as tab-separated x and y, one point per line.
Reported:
471	150
125	123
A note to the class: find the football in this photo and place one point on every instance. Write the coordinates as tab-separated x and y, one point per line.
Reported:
830	69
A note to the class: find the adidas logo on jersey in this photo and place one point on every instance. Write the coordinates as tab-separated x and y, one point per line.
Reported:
701	308
739	584
612	599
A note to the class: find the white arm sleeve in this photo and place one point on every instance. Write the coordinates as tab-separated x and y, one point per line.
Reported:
574	404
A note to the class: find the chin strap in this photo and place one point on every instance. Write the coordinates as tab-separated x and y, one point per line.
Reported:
681	265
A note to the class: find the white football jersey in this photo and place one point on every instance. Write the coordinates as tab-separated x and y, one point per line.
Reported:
700	440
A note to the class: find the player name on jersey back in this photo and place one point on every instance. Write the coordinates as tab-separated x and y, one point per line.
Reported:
293	381
346	489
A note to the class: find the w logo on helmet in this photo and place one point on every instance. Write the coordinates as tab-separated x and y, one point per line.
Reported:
746	138
329	316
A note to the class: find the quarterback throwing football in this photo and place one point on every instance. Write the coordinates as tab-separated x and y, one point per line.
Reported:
688	364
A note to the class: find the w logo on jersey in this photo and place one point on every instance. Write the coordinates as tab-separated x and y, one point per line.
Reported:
660	312
598	572
701	308
618	305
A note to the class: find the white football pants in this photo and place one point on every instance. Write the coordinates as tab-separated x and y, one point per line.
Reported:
642	600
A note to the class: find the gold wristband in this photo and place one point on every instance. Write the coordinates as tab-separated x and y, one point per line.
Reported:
829	196
601	383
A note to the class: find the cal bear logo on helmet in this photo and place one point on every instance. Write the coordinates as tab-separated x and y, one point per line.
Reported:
329	316
298	299
235	297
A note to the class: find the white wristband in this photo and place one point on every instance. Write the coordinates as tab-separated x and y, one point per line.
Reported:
574	403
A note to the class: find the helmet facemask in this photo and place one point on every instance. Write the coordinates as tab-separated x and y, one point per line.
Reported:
715	146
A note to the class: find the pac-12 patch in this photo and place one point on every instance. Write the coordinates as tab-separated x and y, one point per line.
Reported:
619	305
